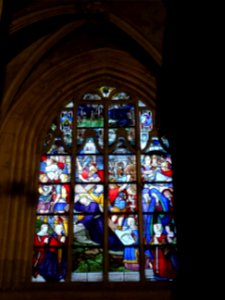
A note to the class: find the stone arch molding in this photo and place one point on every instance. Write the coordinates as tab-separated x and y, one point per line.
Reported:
46	43
96	65
22	132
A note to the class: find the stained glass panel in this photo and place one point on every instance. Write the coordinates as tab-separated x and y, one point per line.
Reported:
90	115
89	168
122	168
91	96
121	115
87	264
120	96
141	104
163	263
114	132
122	197
157	197
52	221
90	193
70	105
155	145
124	256
55	169
159	229
106	91
57	147
88	228
99	134
156	168
97	212
146	126
121	146
112	135
89	147
53	198
131	135
66	120
146	120
50	251
144	138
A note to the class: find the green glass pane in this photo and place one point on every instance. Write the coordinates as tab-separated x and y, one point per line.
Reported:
90	115
87	264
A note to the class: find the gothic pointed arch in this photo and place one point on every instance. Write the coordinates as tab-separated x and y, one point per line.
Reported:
105	208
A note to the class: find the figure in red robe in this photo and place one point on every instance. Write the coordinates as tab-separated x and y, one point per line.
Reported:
162	266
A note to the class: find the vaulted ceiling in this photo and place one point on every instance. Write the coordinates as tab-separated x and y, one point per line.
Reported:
48	34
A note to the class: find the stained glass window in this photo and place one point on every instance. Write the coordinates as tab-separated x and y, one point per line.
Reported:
105	209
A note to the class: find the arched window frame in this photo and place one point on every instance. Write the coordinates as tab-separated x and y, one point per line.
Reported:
152	134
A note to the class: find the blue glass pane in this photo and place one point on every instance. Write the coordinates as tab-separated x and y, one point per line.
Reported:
157	197
88	227
121	115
